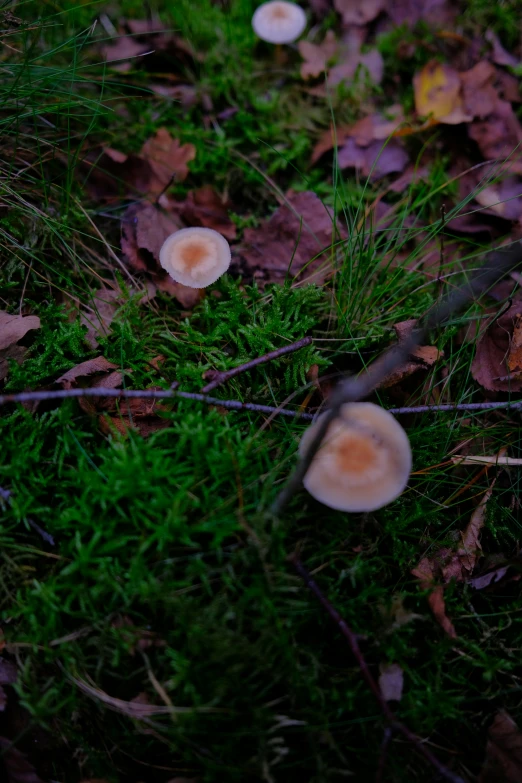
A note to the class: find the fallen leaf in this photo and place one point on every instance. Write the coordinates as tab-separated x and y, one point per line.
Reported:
369	62
119	53
374	161
14	352
316	57
437	89
412	11
489	367
461	564
18	769
14	327
499	55
423	356
112	174
376	127
479	96
499	135
168	159
90	367
514	359
98	318
503	199
359	12
425	574
144	229
8	672
292	242
488	579
503	763
204	207
391	681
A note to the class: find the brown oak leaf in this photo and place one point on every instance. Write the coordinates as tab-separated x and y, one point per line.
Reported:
490	366
293	243
503	761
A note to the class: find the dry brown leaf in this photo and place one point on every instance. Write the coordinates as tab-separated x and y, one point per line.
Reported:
204	207
370	62
425	574
14	327
489	367
489	578
359	12
499	55
17	768
316	57
376	127
391	681
460	565
90	367
503	762
292	242
437	12
423	356
102	308
514	359
112	174
144	229
437	89
479	96
498	135
125	48
168	159
375	160
502	199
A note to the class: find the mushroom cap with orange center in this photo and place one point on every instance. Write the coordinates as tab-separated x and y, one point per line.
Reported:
364	461
279	21
195	257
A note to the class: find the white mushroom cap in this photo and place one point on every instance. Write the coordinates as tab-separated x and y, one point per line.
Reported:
364	461
195	257
279	21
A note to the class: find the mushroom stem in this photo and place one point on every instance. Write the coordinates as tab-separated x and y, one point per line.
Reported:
279	55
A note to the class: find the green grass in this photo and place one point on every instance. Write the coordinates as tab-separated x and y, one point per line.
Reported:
167	567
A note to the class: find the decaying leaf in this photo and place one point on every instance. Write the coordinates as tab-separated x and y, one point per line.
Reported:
422	357
292	242
359	11
370	63
391	681
425	574
436	12
502	199
90	367
14	327
17	768
205	207
98	317
316	57
374	127
437	90
503	762
114	174
489	578
490	366
168	159
498	135
479	96
460	565
499	55
144	229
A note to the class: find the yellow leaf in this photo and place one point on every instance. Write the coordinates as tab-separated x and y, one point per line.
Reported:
437	93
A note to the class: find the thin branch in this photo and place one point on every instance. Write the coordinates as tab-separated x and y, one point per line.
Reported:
351	638
360	386
383	755
222	377
234	405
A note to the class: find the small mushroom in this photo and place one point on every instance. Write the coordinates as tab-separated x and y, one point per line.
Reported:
279	22
195	257
364	461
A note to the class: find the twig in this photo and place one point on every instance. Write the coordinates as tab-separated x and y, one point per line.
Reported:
351	638
221	377
234	405
360	386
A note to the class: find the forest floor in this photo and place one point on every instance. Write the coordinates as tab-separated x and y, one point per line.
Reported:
152	625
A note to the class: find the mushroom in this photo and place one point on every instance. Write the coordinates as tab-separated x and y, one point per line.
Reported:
195	257
363	462
279	22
